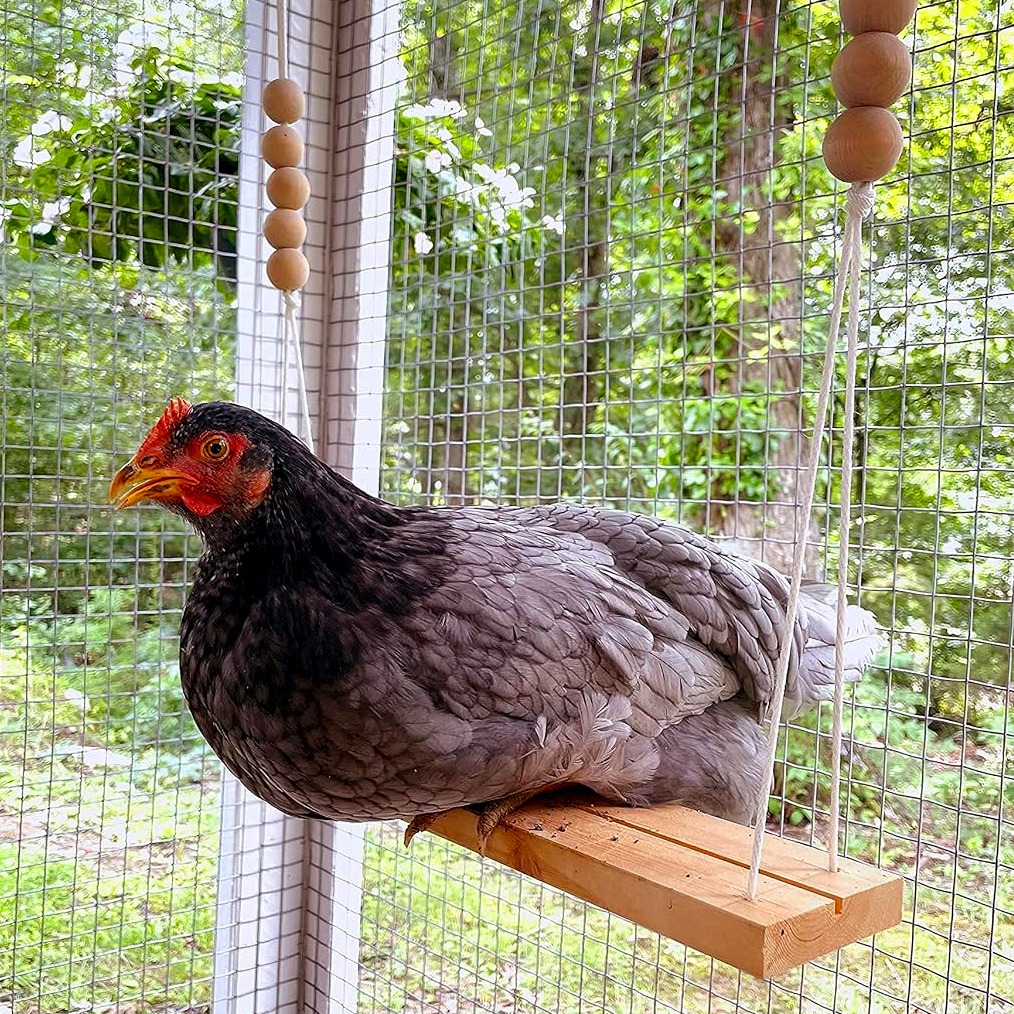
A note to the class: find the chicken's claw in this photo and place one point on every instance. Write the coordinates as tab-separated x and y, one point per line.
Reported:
489	816
421	823
492	814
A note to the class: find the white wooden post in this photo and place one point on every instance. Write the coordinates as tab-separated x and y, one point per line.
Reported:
287	936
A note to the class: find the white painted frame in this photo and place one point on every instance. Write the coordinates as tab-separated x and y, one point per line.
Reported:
289	890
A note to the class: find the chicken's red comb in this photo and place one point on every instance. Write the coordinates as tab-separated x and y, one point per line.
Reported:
159	435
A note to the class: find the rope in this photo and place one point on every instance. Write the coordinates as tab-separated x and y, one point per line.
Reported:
292	341
291	301
858	205
282	36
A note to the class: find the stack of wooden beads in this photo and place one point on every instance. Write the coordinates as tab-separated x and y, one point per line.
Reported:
288	188
870	73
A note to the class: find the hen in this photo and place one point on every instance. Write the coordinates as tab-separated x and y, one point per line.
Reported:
354	660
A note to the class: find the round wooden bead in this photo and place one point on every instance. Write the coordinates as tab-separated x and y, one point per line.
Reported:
872	70
282	146
859	16
284	228
863	144
288	270
288	188
283	100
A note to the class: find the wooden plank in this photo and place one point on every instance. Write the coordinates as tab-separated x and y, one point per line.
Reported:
783	859
634	863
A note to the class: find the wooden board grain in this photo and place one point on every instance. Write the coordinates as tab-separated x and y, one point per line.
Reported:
683	874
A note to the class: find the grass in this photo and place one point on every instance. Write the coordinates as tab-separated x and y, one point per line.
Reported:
113	906
107	874
107	888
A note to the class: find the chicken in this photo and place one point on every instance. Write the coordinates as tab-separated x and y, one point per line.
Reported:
354	660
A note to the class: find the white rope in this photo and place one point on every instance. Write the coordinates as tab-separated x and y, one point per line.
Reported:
282	36
859	204
292	341
290	323
854	243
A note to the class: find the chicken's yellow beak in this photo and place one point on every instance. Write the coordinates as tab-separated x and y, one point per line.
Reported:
131	485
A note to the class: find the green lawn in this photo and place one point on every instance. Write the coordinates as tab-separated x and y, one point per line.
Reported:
117	903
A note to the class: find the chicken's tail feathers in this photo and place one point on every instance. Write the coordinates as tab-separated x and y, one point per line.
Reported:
816	667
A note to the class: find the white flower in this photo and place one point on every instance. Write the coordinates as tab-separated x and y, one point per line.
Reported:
52	209
511	192
139	36
422	243
465	191
518	197
553	223
434	109
513	195
486	173
481	129
76	75
27	156
436	160
48	122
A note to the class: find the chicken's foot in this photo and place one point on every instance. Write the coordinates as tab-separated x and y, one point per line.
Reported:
421	823
490	815
493	813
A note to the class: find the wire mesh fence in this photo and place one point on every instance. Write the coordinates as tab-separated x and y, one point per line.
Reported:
611	284
118	223
613	243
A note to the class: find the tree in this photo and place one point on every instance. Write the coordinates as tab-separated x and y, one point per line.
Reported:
600	270
100	324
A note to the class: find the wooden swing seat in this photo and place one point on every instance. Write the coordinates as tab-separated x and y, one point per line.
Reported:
684	874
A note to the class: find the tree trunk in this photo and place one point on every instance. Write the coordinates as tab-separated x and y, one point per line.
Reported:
446	478
580	391
771	297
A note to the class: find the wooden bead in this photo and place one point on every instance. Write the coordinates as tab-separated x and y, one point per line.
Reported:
872	70
288	270
863	144
859	16
283	100
282	146
284	228
288	188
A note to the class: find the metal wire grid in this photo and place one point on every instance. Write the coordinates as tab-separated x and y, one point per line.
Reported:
439	930
108	818
600	348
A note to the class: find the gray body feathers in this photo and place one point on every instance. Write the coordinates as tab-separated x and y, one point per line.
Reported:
470	654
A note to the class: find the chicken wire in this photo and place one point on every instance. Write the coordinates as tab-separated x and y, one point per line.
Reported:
612	267
112	300
599	289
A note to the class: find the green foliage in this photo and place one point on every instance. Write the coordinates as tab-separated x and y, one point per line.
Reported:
609	347
100	328
147	175
75	407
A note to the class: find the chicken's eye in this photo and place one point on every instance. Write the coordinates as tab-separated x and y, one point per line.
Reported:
215	448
